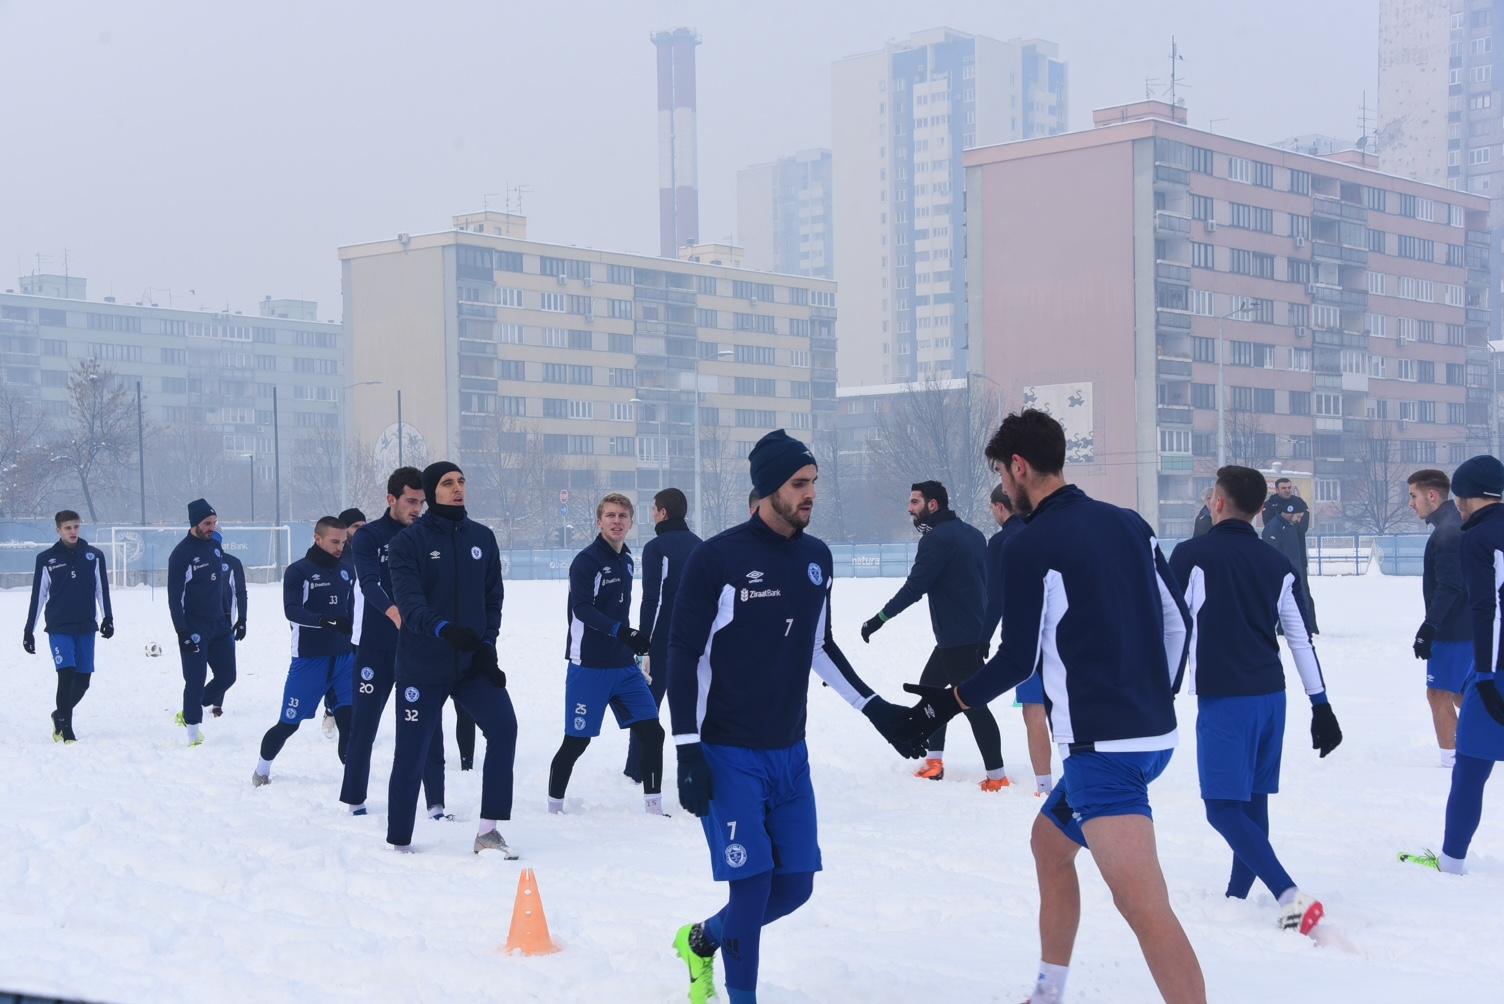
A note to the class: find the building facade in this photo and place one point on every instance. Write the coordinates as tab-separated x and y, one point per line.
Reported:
207	380
900	118
1152	284
784	215
554	369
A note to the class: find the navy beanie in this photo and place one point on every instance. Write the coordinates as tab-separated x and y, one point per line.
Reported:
353	515
1479	477
198	511
774	459
433	474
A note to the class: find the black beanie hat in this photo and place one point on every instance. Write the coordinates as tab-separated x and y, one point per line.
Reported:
198	511
774	459
433	474
352	515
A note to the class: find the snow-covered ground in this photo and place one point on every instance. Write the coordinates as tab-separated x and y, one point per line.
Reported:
133	868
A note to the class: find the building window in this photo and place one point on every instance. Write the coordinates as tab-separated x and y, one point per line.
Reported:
1259	399
553	302
1328	405
1300	402
512	369
1203	302
1203	350
1297	270
1203	255
1328	490
1300	182
1300	360
1201	207
508	297
1204	396
1239	169
1250	354
1201	160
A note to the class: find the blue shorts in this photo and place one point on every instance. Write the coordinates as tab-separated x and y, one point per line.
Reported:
1449	665
309	678
1478	735
1238	745
762	812
1031	691
587	692
1094	784
72	651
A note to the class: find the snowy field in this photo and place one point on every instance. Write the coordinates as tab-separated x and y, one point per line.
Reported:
133	868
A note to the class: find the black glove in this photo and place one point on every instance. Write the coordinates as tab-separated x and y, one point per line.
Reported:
461	637
694	780
187	641
1423	638
239	629
870	627
937	705
340	624
1326	735
29	642
1488	693
639	643
483	664
891	722
107	628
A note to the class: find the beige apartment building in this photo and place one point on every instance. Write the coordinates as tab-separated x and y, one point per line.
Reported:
553	368
1117	275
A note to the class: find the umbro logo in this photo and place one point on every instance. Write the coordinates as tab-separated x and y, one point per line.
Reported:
434	555
754	577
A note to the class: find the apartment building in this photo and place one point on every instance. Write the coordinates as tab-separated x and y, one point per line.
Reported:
1152	284
900	118
784	215
595	366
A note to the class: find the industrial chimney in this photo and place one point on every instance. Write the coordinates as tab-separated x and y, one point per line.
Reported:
678	182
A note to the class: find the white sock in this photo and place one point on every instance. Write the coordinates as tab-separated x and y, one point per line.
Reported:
1288	896
435	812
1448	758
1049	986
555	806
652	804
996	775
486	826
192	732
1043	784
1451	865
264	767
935	755
356	808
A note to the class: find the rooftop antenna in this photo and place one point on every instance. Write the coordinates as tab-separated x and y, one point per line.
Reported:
1363	119
1175	59
519	191
485	200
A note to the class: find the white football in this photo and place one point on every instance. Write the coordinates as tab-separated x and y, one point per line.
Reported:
153	649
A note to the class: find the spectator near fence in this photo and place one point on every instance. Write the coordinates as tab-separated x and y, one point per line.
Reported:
1287	520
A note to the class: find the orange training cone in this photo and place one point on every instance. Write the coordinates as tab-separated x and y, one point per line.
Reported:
529	933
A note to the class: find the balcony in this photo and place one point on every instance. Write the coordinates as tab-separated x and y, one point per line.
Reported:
1165	174
1176	463
1477	315
1327	251
1164	317
1174	369
1172	272
1174	414
1172	224
1337	209
1328	423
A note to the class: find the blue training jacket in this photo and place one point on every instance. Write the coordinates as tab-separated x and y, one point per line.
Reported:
1237	588
599	606
663	560
951	568
752	618
444	571
196	588
315	587
68	587
1482	556
373	586
1089	594
993	615
1441	576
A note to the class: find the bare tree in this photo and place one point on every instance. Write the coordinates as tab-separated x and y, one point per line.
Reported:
26	472
100	441
188	461
935	432
1374	498
1246	443
723	480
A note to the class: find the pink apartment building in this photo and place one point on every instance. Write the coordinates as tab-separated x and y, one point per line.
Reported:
1116	275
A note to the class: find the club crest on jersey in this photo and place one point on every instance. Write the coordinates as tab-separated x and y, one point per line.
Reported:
89	555
433	555
736	855
411	693
367	673
475	553
217	554
815	575
579	724
291	713
344	575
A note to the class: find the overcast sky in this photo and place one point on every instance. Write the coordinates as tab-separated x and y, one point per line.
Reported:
179	146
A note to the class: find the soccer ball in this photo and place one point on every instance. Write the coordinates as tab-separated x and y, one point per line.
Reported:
153	649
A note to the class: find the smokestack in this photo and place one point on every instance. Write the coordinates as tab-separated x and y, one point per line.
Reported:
678	184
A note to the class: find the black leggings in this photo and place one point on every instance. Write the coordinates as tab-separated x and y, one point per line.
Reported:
953	666
649	736
276	736
71	687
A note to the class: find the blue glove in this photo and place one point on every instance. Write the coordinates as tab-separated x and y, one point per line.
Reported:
694	780
891	722
1486	684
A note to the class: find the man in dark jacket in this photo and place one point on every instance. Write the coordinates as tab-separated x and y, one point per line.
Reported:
69	587
951	568
1203	524
663	560
446	581
377	621
233	577
318	599
1444	639
601	650
1287	519
196	603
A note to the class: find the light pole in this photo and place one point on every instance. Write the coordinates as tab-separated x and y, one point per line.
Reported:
1222	383
252	458
344	432
699	504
